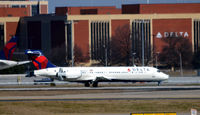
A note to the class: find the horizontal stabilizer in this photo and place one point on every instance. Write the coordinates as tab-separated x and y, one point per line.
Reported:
23	62
4	64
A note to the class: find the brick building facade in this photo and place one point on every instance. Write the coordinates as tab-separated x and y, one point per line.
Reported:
156	21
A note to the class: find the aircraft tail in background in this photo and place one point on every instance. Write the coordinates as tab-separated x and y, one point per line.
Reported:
38	59
7	52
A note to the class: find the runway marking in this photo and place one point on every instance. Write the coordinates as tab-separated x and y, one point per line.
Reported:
95	99
139	88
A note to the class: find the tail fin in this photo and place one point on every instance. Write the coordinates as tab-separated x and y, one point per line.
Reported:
9	48
38	59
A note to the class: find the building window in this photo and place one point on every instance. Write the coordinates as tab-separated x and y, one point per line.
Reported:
141	28
9	15
1	36
196	35
88	11
15	6
100	40
34	35
23	6
35	10
69	40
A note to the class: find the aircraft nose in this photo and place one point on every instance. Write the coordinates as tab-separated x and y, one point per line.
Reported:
165	76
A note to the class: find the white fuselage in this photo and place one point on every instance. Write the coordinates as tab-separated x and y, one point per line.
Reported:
82	74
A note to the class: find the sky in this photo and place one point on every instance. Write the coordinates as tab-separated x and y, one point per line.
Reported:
117	3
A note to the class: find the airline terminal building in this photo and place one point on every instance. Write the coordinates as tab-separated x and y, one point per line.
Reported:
93	27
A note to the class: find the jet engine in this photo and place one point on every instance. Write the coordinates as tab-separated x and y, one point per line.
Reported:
68	75
74	74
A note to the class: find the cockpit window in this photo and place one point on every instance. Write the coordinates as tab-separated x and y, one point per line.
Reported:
158	70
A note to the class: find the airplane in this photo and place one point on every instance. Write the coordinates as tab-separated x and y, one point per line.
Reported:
6	55
93	75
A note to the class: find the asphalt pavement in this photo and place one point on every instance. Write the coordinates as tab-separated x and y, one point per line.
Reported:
15	79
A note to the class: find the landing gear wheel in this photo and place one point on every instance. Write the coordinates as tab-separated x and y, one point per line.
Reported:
159	83
95	84
87	84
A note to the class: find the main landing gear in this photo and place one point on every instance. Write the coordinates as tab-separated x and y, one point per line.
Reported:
87	84
94	84
159	83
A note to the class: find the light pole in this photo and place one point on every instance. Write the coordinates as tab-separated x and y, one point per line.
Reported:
142	24
72	46
133	58
181	69
157	53
106	56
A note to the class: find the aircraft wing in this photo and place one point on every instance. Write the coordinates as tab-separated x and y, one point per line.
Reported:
102	78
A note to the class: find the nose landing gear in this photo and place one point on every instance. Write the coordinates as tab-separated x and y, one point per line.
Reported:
159	83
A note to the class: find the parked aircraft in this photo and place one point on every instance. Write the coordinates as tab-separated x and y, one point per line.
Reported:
93	75
6	55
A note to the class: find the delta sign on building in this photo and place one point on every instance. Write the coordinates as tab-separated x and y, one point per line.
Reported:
167	28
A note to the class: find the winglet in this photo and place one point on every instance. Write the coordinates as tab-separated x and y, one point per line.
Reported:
7	52
38	59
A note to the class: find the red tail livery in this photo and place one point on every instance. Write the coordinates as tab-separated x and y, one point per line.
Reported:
38	59
7	52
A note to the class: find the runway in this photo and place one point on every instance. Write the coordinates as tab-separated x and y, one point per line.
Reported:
96	99
16	79
135	88
112	93
176	88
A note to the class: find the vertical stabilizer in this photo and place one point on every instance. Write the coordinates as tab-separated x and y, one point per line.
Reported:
38	59
7	52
